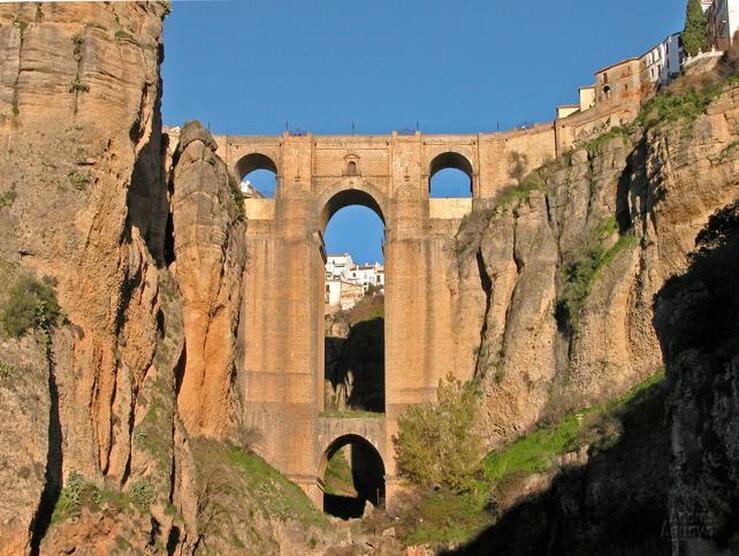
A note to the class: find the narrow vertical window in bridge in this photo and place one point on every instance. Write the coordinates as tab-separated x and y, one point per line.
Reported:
258	176
354	309
353	476
450	176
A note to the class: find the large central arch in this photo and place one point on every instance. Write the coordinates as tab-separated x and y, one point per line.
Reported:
356	361
343	196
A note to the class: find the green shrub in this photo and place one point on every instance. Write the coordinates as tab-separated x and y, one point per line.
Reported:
624	242
515	195
121	35
723	156
31	304
436	443
78	86
8	198
78	40
673	107
595	147
6	370
79	181
237	196
21	25
142	493
577	276
70	499
580	273
79	493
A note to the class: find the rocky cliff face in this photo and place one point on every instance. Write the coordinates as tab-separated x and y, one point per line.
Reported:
571	263
209	257
82	173
144	248
571	260
696	318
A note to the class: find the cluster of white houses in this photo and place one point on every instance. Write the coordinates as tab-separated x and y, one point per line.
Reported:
632	79
347	282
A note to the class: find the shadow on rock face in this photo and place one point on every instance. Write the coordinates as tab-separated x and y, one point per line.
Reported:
615	504
361	355
697	321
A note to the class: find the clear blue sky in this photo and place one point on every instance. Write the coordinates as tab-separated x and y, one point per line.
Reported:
247	67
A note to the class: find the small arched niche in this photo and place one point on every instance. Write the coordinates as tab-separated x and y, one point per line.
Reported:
257	175
450	176
352	474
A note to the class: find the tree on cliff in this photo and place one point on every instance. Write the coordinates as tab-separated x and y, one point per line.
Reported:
437	445
695	35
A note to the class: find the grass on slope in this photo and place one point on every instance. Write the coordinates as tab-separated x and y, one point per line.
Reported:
279	496
239	498
370	307
537	451
442	518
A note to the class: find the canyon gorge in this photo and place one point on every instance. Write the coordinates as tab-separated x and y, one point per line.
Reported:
147	413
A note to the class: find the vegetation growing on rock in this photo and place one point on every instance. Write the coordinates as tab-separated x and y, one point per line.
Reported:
239	494
437	444
443	518
695	34
31	304
581	271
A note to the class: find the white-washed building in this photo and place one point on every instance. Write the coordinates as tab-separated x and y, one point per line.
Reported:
341	294
339	265
369	275
662	63
347	282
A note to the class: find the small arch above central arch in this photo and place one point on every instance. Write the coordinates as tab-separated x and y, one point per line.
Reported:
260	171
254	161
454	167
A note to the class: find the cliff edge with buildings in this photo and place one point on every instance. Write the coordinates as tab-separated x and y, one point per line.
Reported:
571	264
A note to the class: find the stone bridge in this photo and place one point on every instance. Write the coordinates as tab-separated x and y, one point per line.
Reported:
427	331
